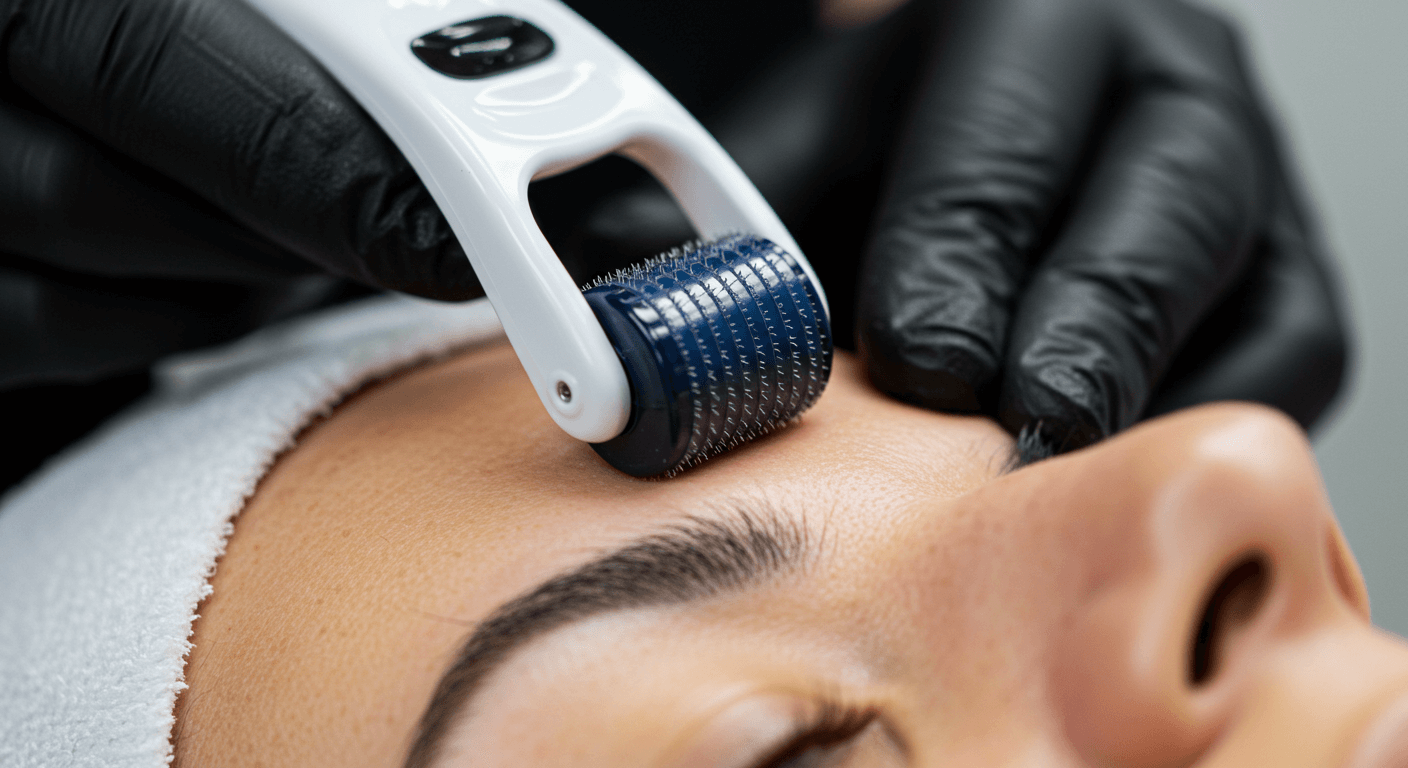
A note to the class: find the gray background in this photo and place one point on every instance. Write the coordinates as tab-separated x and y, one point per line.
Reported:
1337	71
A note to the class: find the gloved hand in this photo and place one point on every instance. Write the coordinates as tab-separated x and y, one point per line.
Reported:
1090	220
1086	218
175	169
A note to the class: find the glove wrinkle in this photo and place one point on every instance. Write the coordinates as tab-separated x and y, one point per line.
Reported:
212	95
991	150
1070	397
959	378
1165	223
74	205
1277	338
1067	225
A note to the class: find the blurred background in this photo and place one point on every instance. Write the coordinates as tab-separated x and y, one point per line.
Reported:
1337	71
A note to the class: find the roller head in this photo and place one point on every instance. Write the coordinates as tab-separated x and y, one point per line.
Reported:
721	343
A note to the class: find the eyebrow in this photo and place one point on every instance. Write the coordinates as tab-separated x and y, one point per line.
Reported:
1033	443
693	560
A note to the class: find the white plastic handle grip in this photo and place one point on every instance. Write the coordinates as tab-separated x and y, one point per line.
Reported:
476	145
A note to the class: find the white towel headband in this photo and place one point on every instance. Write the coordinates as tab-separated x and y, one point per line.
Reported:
105	554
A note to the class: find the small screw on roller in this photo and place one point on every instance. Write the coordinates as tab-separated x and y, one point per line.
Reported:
721	344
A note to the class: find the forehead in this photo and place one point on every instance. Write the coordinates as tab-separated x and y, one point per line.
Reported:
371	549
458	468
464	445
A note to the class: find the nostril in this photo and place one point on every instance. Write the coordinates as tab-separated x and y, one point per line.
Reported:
1230	606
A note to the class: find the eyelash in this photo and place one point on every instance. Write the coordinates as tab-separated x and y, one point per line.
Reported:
831	725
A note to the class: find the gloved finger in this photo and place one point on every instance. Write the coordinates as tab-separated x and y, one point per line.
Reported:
212	95
1161	231
1279	338
77	206
1005	113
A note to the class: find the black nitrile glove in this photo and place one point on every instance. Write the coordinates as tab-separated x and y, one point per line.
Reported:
1084	217
171	171
1090	220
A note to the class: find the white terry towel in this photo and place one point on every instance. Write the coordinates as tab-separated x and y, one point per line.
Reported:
105	554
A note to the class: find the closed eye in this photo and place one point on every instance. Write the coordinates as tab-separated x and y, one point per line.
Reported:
823	739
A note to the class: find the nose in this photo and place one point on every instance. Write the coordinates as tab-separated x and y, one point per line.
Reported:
1219	548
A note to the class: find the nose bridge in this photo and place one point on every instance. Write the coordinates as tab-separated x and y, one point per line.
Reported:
1237	546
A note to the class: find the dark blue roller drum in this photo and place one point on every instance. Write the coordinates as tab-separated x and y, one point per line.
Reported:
722	343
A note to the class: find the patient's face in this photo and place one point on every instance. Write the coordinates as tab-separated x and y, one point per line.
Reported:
865	588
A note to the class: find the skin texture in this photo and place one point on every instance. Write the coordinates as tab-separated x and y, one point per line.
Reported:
1040	617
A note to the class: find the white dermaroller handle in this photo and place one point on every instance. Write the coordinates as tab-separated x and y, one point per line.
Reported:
477	143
